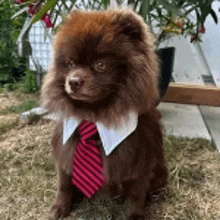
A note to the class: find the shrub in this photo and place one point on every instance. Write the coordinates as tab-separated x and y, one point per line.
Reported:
10	62
28	83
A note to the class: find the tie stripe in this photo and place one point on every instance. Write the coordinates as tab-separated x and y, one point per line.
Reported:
89	174
82	186
92	155
86	179
84	125
92	158
92	149
86	128
93	172
88	159
87	163
88	134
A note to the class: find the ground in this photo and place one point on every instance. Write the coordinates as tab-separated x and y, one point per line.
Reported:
28	178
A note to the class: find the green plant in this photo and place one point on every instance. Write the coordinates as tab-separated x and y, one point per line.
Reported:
51	10
9	31
9	87
28	83
175	16
171	16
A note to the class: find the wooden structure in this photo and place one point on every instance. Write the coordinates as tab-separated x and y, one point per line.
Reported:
190	93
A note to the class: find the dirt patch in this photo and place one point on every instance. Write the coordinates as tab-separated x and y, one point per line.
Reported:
8	100
15	98
28	134
6	118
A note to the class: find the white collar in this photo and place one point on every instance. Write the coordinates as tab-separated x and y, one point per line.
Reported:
110	137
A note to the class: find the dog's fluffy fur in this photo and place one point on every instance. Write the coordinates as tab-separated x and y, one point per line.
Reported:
104	66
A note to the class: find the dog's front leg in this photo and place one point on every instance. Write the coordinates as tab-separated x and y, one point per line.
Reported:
64	199
135	191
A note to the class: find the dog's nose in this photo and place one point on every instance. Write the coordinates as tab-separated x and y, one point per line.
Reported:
75	83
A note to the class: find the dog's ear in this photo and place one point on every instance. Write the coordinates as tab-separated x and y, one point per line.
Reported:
132	25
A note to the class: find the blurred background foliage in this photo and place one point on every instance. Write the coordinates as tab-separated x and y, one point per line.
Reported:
11	65
186	17
167	17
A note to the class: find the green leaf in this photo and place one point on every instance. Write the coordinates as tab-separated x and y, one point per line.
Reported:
180	3
214	16
198	18
44	10
159	12
106	3
209	2
20	12
144	10
169	6
189	11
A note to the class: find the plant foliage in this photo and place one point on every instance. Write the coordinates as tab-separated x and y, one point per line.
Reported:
171	16
9	31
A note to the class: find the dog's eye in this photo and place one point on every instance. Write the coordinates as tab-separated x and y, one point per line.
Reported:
100	66
70	64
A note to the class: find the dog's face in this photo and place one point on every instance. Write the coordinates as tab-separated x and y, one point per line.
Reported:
92	82
90	77
103	61
92	57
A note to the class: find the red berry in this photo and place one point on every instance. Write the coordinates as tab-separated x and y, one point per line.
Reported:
32	10
47	21
46	18
19	1
202	30
50	24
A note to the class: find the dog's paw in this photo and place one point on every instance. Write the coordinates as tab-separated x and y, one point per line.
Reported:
58	211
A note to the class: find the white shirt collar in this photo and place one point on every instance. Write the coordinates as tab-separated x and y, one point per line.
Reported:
110	137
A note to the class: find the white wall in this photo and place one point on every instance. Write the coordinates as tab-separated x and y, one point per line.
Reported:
187	67
211	44
41	46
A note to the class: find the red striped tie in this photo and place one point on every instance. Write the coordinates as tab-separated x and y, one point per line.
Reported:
87	163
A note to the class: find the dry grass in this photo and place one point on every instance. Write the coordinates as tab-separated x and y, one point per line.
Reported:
28	176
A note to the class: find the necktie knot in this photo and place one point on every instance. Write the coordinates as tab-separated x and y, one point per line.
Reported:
87	130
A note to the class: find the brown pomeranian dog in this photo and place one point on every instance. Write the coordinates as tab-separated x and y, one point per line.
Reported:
105	70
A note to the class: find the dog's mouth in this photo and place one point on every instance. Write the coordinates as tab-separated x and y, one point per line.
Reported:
83	97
